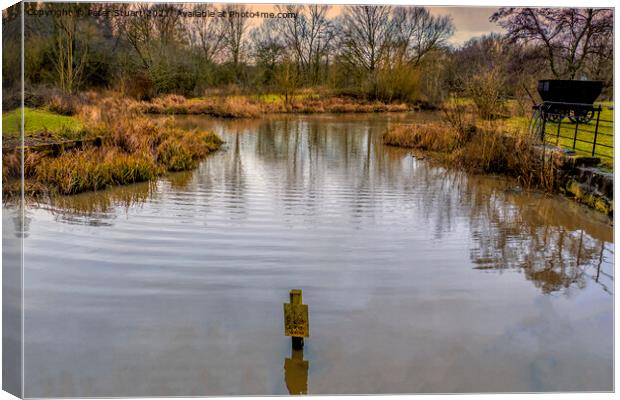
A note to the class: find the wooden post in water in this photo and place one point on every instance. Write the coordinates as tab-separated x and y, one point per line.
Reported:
296	319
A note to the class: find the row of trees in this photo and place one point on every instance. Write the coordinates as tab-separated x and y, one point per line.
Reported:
380	52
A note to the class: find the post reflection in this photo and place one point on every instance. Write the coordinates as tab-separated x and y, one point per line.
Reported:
296	373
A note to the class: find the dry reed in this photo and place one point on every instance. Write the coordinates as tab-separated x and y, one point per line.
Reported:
487	149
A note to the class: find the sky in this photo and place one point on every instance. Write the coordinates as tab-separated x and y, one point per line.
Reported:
468	21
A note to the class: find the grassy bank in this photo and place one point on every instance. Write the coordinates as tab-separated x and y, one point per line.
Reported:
132	149
38	120
241	106
41	126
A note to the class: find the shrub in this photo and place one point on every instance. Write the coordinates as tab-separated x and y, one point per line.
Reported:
138	86
513	154
63	104
486	90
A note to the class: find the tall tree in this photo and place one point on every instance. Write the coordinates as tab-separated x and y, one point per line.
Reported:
235	27
366	33
365	36
309	36
70	49
206	34
418	32
571	37
268	48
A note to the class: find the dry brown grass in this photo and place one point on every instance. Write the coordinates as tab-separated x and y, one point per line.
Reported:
428	136
490	148
93	169
493	151
224	107
343	105
251	107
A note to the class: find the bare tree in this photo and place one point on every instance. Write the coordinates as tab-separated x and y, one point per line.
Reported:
138	31
206	35
418	32
570	36
309	35
153	38
366	33
365	37
169	25
70	46
235	27
268	46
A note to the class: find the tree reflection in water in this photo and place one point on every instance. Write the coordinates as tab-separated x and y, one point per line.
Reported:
530	232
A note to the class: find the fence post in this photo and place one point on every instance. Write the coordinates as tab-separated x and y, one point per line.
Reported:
544	134
598	117
576	129
557	140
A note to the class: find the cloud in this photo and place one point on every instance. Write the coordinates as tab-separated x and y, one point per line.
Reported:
469	22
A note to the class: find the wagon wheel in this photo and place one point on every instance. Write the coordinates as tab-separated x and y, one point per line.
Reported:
582	116
554	117
552	113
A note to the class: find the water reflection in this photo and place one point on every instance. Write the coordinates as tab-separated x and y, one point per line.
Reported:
14	230
555	250
554	242
296	372
99	208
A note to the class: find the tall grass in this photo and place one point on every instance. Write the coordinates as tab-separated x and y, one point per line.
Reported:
94	169
430	136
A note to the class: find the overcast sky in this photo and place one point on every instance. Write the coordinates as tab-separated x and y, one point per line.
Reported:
468	21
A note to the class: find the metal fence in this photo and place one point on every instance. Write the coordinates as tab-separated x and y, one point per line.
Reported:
574	126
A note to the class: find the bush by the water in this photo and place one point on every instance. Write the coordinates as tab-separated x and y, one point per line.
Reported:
488	149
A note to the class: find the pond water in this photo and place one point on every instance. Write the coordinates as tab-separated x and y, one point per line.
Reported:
418	279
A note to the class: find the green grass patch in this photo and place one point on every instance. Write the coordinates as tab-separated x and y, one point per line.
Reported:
584	134
37	120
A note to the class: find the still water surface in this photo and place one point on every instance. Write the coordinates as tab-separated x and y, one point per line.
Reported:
418	279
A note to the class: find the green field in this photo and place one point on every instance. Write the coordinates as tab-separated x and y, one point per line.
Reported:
585	134
38	120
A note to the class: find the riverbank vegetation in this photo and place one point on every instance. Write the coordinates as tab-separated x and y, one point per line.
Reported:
486	149
129	149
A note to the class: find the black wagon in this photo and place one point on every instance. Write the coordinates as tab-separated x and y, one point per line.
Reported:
568	98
